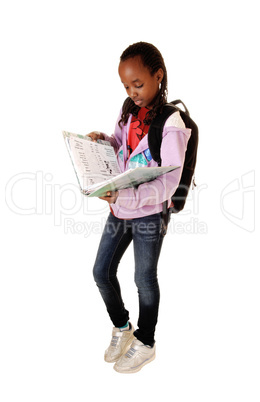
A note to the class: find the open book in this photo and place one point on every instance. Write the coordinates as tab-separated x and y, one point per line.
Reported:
97	169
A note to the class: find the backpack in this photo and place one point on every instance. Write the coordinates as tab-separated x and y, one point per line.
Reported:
155	140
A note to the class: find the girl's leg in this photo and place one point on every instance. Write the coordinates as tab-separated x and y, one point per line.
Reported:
114	241
147	240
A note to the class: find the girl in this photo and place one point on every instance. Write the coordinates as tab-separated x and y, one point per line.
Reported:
136	213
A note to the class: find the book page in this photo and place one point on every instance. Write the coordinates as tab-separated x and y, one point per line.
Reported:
93	162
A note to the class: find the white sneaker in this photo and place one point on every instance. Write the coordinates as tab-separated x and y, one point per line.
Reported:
137	356
120	343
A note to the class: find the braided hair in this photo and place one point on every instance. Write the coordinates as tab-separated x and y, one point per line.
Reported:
153	60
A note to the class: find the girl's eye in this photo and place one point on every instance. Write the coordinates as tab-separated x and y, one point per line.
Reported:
137	86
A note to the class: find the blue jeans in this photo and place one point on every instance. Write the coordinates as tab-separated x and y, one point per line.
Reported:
147	241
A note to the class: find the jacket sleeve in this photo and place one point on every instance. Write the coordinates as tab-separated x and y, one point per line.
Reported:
173	150
116	138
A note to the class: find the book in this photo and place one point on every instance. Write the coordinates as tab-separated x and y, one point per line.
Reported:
97	169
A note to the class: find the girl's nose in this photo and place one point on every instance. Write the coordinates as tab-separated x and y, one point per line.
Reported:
133	93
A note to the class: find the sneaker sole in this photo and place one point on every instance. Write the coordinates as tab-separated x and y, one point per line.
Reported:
126	348
135	369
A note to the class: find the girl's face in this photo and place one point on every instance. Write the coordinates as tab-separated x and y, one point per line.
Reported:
140	85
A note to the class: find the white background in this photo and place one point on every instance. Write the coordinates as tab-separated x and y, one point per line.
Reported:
59	64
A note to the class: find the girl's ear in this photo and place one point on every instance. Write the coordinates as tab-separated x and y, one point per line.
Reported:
159	75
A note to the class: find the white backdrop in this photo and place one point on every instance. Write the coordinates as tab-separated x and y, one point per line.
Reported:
59	72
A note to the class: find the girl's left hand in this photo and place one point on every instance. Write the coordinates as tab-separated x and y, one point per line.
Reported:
111	197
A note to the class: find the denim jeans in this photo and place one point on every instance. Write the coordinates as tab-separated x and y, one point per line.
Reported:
147	241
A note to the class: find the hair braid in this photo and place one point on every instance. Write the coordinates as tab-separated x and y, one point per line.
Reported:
153	60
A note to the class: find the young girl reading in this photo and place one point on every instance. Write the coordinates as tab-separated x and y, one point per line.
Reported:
136	213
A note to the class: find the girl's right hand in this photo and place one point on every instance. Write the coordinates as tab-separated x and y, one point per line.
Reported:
95	135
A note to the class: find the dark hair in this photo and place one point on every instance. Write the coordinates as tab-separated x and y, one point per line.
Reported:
153	60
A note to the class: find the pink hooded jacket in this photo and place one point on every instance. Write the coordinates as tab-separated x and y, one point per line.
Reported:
148	198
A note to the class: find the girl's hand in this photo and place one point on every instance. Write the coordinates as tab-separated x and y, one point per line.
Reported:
110	197
95	135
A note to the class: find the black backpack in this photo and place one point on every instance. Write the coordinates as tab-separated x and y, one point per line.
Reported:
155	140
